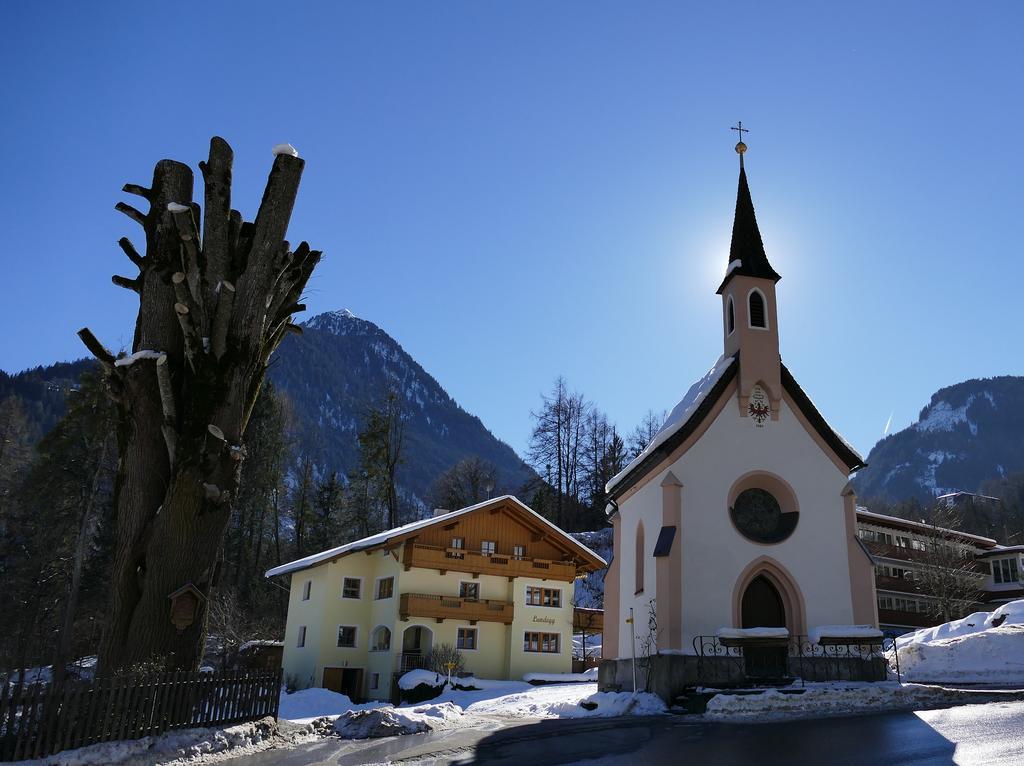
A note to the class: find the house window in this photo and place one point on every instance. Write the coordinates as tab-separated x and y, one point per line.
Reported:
306	588
466	638
302	636
536	596
519	552
347	636
350	587
380	641
469	590
385	587
757	314
456	548
731	317
488	547
1005	570
545	643
374	680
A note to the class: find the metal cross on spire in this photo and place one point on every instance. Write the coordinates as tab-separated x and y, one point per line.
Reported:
740	146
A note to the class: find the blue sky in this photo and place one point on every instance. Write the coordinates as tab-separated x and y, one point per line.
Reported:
520	190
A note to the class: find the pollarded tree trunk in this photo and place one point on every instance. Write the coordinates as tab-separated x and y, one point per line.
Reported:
212	309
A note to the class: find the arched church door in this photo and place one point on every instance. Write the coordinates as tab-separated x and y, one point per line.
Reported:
762	607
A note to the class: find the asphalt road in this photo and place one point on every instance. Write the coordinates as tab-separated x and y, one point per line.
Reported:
965	736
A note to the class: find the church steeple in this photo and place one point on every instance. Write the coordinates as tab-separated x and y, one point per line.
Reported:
748	303
747	248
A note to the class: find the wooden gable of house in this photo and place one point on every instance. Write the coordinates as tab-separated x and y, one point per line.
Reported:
501	538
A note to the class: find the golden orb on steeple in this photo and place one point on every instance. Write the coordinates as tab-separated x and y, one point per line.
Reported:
741	148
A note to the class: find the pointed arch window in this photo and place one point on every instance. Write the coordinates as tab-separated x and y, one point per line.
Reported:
730	317
757	315
639	558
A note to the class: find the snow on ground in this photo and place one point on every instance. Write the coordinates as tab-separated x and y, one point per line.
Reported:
489	702
561	678
307	705
984	647
83	667
566	701
828	699
179	747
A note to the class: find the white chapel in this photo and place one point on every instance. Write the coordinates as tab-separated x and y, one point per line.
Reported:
739	513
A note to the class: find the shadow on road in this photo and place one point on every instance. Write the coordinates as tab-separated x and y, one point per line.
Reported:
874	740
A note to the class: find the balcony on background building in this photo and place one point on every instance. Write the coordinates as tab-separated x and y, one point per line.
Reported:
454	608
501	564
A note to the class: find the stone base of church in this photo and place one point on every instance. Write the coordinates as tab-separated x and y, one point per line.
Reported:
672	675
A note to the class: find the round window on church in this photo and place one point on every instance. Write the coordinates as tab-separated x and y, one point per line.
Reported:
759	517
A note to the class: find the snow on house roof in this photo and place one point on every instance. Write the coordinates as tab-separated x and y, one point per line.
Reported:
679	416
381	538
896	521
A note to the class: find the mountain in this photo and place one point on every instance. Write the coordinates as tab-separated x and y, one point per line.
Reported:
968	433
342	365
339	367
41	391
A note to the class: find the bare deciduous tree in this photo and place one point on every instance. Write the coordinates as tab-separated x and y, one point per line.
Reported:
946	570
467	482
213	305
557	443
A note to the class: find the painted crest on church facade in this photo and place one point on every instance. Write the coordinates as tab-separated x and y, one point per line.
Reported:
758	408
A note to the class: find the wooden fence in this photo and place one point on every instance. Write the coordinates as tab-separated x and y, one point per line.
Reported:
37	720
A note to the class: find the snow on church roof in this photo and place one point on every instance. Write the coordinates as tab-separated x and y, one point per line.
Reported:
679	416
381	538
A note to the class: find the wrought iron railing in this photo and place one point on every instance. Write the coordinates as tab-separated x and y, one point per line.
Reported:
775	661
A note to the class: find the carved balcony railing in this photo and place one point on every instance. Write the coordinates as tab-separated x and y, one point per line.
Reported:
501	564
454	608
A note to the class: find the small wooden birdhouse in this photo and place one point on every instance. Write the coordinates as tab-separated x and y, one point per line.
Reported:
185	603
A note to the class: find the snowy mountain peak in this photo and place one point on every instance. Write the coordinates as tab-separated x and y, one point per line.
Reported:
967	434
334	322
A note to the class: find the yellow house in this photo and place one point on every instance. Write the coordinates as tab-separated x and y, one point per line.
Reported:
494	580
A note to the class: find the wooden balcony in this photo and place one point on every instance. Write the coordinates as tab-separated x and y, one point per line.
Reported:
898	584
587	620
454	608
501	564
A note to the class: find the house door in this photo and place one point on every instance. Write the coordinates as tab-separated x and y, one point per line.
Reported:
762	607
347	681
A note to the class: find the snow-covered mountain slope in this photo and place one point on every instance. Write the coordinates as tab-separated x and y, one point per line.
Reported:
341	365
968	433
590	589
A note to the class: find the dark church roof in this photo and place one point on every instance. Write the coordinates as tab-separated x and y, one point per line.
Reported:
747	247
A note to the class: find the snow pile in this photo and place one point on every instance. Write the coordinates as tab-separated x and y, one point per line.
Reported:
984	647
817	700
567	701
177	207
610	704
389	721
843	631
128	361
414	678
182	746
733	265
752	633
561	678
308	704
679	416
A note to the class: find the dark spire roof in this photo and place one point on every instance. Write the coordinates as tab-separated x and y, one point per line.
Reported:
747	247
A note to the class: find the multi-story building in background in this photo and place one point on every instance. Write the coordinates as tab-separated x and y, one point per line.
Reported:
902	549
